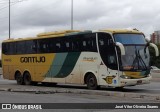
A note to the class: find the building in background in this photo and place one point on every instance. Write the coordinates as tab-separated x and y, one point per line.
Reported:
155	37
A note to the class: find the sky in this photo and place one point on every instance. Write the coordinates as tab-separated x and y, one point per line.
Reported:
30	17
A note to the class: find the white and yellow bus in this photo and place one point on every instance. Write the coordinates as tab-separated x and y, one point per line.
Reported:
115	58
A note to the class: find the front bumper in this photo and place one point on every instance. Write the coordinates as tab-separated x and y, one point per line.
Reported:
133	82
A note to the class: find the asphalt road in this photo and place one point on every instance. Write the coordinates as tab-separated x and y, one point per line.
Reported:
32	97
152	88
18	97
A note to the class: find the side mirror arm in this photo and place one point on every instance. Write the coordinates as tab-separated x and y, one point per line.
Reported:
152	45
120	45
155	47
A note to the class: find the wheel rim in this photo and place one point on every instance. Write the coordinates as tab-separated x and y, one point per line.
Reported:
27	79
92	82
19	79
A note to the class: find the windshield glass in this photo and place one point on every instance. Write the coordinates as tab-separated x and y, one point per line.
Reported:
136	56
130	38
135	59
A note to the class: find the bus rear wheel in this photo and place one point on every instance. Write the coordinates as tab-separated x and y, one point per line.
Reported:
19	78
91	82
27	78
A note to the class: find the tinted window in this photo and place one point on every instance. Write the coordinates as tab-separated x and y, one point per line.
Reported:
12	48
73	43
9	48
20	47
130	38
107	50
76	45
30	46
88	43
42	46
4	48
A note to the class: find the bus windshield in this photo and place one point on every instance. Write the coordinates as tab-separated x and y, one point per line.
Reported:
136	56
130	38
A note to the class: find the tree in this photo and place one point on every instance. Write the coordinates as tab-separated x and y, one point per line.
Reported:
0	63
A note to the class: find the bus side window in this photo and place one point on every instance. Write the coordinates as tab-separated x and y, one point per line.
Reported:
84	45
4	48
87	46
30	47
93	45
88	42
75	45
20	47
63	47
58	47
8	48
34	48
12	49
68	46
40	44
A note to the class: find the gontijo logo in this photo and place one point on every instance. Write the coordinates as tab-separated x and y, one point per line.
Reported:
40	59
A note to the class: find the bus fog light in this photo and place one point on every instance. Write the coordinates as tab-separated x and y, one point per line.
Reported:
125	77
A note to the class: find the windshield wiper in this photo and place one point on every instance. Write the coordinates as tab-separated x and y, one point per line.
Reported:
142	61
138	59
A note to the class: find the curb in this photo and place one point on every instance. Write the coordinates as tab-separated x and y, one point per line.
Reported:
155	97
155	79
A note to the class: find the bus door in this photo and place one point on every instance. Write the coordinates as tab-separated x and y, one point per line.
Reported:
108	69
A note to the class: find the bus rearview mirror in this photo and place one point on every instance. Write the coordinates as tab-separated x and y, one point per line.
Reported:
120	45
155	48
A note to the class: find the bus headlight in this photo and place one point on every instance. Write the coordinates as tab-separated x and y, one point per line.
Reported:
125	77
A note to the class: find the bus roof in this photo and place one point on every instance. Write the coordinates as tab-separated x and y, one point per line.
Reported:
121	31
57	33
72	32
46	34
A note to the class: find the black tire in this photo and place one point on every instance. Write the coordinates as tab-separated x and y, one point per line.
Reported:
27	79
19	78
91	82
119	88
34	83
44	83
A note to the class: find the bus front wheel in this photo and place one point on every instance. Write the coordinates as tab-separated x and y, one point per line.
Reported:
91	82
27	78
19	78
